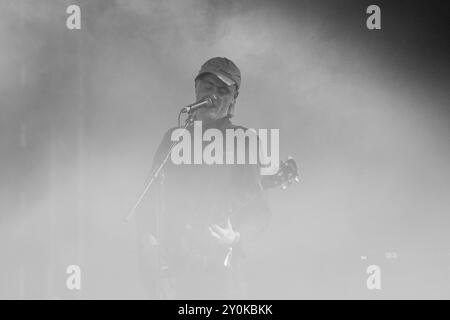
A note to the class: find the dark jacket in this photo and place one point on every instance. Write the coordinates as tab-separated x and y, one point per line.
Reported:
193	197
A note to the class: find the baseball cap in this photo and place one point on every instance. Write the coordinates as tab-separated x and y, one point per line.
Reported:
224	69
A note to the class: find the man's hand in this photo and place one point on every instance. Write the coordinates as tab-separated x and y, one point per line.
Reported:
227	235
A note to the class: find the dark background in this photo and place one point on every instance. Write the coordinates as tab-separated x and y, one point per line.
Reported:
364	112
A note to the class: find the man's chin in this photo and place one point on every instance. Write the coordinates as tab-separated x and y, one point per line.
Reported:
207	115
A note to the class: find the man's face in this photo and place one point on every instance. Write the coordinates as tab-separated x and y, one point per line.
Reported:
209	84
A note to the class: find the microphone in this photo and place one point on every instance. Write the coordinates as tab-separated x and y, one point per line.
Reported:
206	102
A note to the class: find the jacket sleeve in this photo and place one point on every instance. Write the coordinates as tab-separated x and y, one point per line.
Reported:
254	214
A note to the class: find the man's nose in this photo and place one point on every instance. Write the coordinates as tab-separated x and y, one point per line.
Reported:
212	90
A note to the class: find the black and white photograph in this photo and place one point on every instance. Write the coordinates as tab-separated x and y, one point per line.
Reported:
224	150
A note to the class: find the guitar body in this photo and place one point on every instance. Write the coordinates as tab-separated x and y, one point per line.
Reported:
198	248
187	248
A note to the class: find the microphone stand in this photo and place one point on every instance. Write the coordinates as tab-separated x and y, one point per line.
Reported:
156	174
157	171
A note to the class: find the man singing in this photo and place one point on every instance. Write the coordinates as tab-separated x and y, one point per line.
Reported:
206	212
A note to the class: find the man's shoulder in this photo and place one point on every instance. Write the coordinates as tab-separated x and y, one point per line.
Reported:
247	131
228	125
237	126
234	126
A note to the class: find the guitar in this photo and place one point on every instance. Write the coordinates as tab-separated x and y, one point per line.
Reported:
197	246
197	240
287	174
221	257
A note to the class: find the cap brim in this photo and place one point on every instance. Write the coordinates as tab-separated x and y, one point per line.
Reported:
222	77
